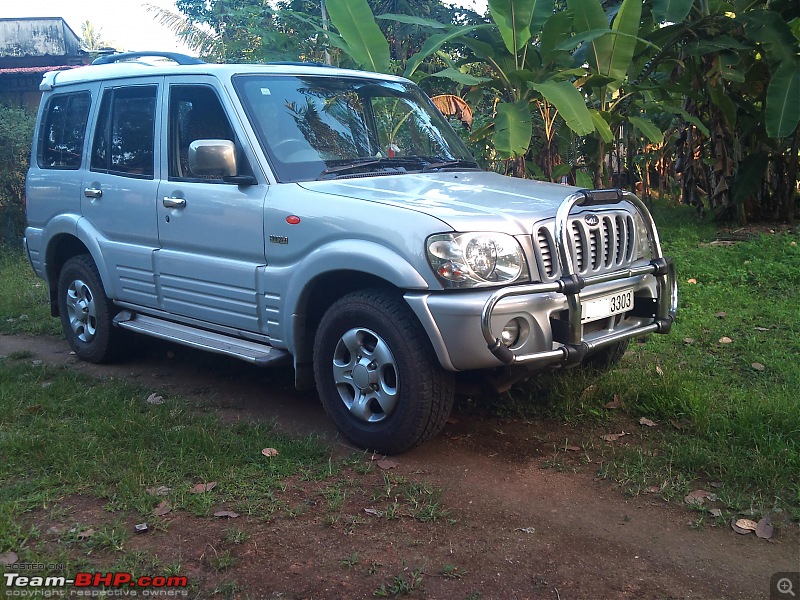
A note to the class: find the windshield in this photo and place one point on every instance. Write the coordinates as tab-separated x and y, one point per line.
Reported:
317	127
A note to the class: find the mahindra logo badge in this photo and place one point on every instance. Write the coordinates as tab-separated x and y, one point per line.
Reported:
591	220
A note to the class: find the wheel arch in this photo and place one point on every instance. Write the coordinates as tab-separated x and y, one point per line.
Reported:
316	297
65	240
61	248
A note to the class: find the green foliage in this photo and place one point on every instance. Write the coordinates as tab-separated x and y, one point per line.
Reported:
783	107
512	128
517	19
662	79
24	301
569	102
365	42
16	132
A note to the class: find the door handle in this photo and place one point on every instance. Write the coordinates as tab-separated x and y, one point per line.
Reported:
91	192
171	202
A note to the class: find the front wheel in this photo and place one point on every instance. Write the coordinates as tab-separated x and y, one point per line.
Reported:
86	312
377	375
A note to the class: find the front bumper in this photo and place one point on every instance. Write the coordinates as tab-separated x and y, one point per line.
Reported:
461	325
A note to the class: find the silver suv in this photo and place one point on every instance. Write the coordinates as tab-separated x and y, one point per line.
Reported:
332	219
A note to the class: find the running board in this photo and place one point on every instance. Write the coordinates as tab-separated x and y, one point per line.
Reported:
252	352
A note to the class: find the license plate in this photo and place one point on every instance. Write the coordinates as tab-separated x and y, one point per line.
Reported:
606	306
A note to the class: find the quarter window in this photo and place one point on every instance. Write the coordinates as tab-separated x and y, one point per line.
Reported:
123	140
61	138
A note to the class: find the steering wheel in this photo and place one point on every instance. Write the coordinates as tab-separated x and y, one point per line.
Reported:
283	149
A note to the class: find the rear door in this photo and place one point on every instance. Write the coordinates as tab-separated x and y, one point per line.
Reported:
119	188
211	232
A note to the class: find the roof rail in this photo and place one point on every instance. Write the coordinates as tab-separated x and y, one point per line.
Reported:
295	63
181	59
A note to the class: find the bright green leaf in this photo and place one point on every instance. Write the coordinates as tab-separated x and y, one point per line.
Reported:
569	102
648	128
623	46
518	19
356	24
783	106
513	129
555	30
601	125
589	17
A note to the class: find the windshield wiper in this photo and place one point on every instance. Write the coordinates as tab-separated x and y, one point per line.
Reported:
394	162
447	164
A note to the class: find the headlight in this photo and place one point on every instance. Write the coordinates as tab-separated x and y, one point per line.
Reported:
476	259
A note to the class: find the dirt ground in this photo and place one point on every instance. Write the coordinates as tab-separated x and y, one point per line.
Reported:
515	528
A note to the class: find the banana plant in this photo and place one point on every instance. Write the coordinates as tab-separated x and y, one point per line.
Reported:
737	66
528	72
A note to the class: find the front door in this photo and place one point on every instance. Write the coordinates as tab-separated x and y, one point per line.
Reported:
211	232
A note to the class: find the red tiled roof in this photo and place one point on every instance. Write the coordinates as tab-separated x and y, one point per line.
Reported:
23	70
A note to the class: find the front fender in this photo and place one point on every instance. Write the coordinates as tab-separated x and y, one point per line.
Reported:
360	256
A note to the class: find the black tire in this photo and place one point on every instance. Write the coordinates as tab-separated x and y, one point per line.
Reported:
408	395
607	357
86	312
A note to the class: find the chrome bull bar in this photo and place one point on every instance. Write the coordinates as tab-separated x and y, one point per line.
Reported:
575	348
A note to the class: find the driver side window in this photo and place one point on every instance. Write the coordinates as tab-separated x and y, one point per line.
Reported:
195	113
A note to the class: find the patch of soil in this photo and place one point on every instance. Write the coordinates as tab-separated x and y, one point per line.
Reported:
512	528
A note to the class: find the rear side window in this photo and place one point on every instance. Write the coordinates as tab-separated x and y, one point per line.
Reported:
123	139
61	137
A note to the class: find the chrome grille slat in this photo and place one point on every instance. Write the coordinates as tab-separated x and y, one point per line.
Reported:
606	246
577	247
544	246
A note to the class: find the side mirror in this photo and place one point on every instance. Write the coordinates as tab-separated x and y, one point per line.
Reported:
216	158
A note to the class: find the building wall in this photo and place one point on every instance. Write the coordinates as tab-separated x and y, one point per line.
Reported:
37	38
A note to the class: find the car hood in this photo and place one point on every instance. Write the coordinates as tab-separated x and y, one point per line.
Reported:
466	201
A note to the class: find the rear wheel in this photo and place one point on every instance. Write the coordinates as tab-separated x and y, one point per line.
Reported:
377	375
86	312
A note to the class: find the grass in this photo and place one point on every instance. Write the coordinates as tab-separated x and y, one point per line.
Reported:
736	403
24	303
62	433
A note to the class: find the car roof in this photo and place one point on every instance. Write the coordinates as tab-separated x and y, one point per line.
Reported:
147	68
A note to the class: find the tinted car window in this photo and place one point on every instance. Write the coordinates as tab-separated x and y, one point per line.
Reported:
123	140
61	137
195	113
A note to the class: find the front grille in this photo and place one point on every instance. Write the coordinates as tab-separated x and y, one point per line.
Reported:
606	246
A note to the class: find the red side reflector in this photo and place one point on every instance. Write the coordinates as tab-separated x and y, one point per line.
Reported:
292	219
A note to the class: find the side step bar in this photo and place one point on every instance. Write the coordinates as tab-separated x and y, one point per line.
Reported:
252	352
